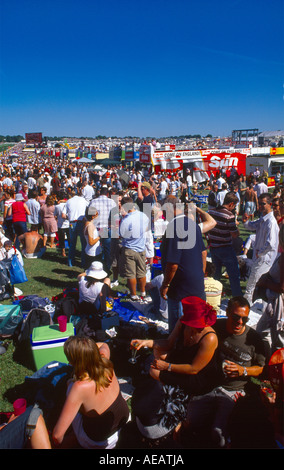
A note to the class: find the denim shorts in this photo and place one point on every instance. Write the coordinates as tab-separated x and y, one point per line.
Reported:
16	433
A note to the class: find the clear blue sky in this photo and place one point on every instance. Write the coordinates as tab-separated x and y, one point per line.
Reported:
143	68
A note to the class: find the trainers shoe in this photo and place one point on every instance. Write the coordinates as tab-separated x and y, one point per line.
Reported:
114	284
146	299
134	298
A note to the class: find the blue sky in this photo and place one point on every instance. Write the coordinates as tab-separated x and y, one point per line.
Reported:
141	68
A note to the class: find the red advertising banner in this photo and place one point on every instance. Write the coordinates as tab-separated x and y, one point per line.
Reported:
225	160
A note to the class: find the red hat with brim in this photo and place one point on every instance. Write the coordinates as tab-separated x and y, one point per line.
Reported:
197	313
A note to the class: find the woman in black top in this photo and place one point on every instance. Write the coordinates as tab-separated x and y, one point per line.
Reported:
187	357
94	404
183	366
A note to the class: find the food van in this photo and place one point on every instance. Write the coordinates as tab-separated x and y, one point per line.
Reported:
205	162
269	159
202	162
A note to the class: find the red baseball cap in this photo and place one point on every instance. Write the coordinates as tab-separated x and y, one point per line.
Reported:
197	313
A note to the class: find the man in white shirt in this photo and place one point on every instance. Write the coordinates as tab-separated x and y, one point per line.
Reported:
260	188
163	189
88	192
104	205
74	211
221	194
62	223
7	180
220	181
173	186
189	180
47	185
31	183
266	242
34	207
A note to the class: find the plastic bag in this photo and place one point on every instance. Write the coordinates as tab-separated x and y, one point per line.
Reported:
17	272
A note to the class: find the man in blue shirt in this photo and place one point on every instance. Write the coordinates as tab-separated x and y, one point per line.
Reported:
182	257
132	231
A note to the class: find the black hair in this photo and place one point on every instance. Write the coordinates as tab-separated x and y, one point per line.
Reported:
266	196
210	269
230	198
239	300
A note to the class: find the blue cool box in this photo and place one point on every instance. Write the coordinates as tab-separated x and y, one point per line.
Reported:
47	344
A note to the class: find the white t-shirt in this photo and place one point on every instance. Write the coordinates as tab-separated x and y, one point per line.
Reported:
164	187
88	193
92	250
220	181
90	294
59	208
189	180
75	208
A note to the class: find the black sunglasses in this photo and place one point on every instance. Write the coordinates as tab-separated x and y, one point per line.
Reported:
237	318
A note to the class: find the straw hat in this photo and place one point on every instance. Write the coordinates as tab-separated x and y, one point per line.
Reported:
96	270
146	185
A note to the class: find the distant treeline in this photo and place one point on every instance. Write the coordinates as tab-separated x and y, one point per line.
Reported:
11	138
18	138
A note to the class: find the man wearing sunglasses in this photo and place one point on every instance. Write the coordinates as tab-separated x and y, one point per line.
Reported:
240	356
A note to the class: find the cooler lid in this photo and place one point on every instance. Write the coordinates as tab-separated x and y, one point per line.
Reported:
51	332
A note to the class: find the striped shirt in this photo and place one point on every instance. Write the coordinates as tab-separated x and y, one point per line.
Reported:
104	205
220	235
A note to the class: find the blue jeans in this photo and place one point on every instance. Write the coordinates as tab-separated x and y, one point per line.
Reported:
226	256
105	235
15	435
174	312
19	228
75	231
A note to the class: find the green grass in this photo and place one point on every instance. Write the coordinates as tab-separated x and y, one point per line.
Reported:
48	277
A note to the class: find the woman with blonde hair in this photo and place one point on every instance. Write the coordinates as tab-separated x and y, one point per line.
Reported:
94	404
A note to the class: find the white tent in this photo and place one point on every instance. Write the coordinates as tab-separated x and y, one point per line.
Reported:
83	160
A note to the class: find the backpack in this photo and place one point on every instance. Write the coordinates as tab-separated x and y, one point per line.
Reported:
30	302
6	290
35	318
66	306
23	352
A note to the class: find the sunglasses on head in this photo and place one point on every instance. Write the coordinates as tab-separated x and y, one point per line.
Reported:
237	318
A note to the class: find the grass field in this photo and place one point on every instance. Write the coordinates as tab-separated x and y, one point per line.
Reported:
47	277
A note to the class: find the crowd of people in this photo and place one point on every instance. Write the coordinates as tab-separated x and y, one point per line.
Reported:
121	216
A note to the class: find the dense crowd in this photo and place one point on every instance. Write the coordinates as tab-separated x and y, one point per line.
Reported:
122	216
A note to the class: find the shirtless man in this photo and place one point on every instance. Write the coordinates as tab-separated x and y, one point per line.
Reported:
32	243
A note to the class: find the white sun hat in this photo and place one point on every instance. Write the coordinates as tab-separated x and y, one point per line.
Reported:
96	270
